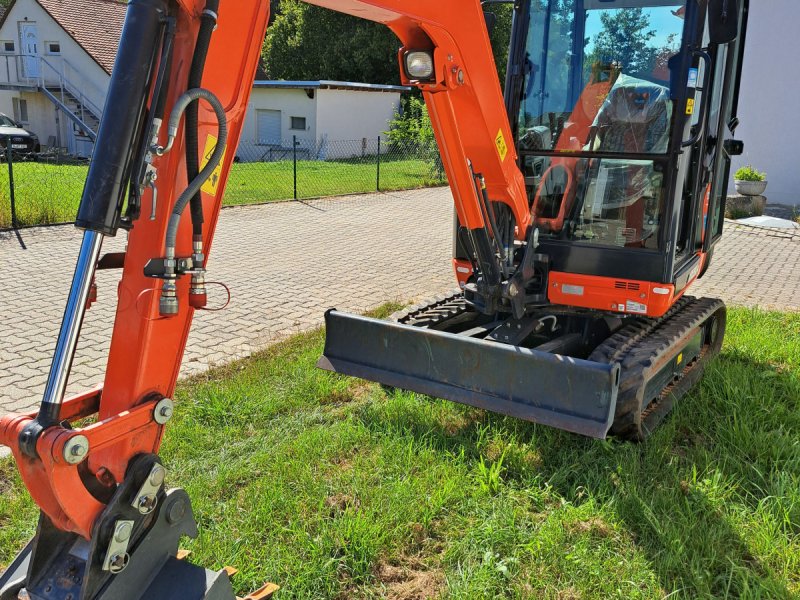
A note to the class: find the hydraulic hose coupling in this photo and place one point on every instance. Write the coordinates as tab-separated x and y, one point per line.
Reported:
198	298
168	303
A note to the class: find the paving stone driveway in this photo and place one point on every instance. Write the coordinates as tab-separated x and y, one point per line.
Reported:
285	264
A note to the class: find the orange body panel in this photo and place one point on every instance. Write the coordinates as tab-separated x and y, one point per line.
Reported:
146	349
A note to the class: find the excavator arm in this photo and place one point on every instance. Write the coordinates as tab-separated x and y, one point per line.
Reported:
173	118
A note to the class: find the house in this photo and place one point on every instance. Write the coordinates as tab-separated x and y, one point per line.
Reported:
317	119
770	123
56	58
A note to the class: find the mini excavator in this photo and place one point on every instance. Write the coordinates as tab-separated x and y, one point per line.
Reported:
589	196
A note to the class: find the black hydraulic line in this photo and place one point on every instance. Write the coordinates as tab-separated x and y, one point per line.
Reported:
123	121
208	22
166	66
155	117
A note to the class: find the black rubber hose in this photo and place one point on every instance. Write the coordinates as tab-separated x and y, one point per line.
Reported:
208	22
183	103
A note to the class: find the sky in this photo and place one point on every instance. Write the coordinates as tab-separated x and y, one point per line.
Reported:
661	20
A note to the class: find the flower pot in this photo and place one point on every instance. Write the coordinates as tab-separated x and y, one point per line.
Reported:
750	188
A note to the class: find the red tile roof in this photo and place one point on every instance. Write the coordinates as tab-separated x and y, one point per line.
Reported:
95	24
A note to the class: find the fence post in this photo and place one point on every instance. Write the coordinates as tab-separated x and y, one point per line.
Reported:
11	190
378	180
294	161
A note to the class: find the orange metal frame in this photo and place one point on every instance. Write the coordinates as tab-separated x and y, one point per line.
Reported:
146	350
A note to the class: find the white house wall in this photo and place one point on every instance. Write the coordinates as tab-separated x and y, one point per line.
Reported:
291	103
770	124
77	65
345	118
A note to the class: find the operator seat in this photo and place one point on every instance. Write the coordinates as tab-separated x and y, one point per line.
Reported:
634	119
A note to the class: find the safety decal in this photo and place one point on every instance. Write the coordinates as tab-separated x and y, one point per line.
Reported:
211	186
502	148
690	106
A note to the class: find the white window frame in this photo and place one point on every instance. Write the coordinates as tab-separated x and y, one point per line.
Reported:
3	47
293	128
49	52
20	109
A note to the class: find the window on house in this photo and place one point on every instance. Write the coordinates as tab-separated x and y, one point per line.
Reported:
8	47
20	110
299	123
53	48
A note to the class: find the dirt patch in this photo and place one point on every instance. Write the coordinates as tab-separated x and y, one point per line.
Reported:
569	594
336	397
357	391
338	503
595	527
409	579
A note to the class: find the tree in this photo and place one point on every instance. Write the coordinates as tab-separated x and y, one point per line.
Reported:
501	37
307	42
625	39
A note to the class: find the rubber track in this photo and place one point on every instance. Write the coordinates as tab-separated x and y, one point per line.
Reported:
433	311
637	347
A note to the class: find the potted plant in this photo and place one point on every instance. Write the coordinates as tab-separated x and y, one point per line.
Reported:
750	182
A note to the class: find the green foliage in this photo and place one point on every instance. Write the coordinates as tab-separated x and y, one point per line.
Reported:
51	193
411	127
332	488
412	132
501	37
307	42
625	39
748	173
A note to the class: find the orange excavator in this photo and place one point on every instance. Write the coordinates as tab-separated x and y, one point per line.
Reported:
589	196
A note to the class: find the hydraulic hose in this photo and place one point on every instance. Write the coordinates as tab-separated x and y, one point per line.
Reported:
187	99
208	22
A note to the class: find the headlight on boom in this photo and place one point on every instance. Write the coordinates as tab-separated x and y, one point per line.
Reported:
419	65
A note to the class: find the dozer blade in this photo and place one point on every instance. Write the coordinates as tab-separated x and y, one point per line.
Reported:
567	393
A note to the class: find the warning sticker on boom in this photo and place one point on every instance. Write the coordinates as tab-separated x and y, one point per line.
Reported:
500	142
211	186
690	106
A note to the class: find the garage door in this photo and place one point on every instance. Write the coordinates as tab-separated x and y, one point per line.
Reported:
269	127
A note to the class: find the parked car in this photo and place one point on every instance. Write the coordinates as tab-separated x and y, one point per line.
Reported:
23	142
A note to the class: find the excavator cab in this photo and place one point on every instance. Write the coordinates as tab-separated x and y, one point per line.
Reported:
623	114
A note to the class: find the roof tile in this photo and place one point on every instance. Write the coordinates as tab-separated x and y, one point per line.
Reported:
95	24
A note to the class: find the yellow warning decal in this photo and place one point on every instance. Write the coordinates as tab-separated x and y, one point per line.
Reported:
211	186
680	358
690	106
502	148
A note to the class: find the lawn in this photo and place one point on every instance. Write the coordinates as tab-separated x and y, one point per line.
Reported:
334	488
48	193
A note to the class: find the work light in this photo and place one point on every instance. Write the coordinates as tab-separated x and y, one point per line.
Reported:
419	65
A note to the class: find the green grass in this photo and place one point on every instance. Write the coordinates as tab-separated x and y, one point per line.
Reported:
333	488
47	193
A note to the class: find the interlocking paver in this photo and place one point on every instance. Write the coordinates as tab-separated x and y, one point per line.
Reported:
286	264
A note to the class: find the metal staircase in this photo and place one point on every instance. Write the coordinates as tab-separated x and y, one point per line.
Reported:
67	93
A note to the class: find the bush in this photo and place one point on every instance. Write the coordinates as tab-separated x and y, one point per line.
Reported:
411	127
748	173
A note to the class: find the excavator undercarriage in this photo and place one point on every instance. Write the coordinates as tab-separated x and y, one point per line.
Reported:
581	371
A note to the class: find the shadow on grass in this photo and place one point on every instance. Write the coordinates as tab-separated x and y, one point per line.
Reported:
724	465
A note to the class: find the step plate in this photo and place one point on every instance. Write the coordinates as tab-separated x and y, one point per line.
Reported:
567	393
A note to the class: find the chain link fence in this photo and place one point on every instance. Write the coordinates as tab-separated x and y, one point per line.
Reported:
46	188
